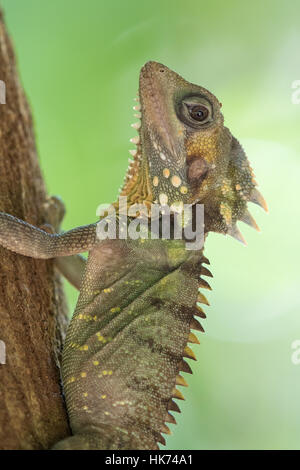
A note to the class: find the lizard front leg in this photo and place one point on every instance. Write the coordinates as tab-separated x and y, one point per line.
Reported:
25	239
71	267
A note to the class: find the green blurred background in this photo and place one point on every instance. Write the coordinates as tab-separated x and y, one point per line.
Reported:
79	63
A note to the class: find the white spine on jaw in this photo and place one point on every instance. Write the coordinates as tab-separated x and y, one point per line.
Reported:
135	140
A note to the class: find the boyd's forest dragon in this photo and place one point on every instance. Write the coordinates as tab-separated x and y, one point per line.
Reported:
128	339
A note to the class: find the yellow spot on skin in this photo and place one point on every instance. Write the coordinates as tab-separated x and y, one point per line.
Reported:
163	199
103	396
85	407
155	181
85	394
115	309
85	347
96	363
101	338
86	317
106	413
83	374
238	187
166	172
183	190
106	291
176	181
205	145
226	212
72	379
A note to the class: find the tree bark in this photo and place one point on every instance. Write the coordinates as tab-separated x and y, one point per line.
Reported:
33	314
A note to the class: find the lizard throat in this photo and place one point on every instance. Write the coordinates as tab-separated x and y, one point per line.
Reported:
136	185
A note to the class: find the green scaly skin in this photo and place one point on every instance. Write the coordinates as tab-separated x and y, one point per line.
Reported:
128	337
126	342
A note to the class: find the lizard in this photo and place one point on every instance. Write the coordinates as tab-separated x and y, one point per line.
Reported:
127	342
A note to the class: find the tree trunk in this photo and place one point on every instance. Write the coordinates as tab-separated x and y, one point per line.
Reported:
32	306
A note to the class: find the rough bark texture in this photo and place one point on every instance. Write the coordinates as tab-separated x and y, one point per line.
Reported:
32	306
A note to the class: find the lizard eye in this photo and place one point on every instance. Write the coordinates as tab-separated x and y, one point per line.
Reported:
195	111
198	112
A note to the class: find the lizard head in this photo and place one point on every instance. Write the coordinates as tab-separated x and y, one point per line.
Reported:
185	154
